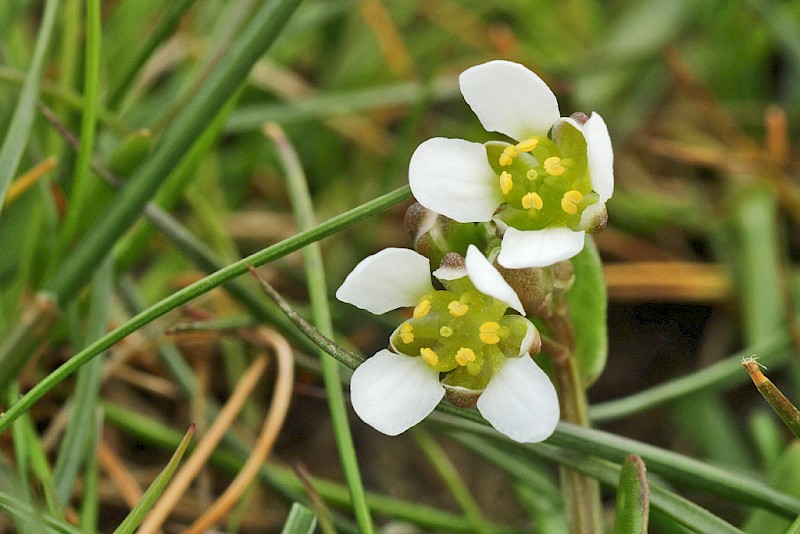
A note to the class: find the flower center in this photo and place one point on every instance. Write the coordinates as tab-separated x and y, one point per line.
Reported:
543	184
450	331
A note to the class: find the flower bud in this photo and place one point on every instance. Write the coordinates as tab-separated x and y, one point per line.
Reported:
533	285
460	396
594	218
434	235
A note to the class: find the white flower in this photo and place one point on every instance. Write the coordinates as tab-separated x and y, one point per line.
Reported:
461	332
550	190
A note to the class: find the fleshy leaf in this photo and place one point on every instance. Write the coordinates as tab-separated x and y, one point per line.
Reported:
633	498
587	308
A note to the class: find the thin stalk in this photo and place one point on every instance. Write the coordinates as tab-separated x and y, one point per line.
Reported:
196	289
581	493
318	294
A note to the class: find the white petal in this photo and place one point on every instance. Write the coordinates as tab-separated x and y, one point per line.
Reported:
393	278
510	99
489	281
601	156
538	248
391	392
521	402
453	177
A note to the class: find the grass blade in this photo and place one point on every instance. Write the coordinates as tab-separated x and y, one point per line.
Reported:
129	524
17	134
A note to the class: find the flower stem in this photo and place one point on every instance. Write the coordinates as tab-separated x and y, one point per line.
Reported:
581	493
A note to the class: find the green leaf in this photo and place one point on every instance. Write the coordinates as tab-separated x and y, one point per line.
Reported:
587	308
301	520
633	498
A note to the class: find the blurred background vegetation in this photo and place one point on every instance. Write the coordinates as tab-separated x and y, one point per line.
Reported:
702	99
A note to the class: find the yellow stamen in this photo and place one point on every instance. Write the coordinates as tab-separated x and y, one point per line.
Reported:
527	145
553	166
422	309
406	333
570	201
532	200
489	333
508	155
445	331
457	309
430	357
464	356
532	174
506	182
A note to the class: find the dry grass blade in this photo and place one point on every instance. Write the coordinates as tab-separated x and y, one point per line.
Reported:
123	479
269	433
205	448
667	282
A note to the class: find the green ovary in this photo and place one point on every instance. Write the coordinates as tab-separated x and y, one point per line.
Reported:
466	335
544	184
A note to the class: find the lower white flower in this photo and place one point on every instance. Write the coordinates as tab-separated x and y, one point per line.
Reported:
459	342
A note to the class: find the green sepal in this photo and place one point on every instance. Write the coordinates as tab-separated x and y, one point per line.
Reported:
587	308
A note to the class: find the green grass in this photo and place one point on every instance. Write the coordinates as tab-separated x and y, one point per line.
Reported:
702	103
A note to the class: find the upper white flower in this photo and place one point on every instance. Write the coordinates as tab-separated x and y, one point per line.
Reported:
461	332
549	189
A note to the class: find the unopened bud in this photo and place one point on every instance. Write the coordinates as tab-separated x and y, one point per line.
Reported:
533	285
460	396
594	218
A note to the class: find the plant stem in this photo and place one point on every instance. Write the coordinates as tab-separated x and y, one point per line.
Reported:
581	493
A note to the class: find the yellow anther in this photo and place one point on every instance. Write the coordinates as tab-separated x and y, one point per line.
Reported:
406	333
422	309
532	200
464	356
506	182
457	309
508	155
570	201
430	357
532	174
445	331
527	145
553	166
489	333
